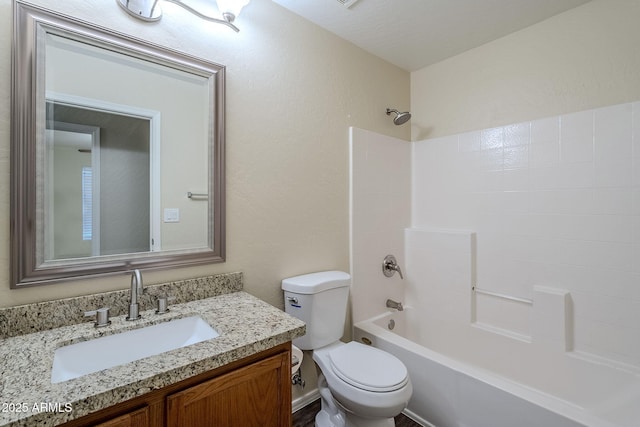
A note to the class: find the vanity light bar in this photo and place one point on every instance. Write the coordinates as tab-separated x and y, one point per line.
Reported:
150	10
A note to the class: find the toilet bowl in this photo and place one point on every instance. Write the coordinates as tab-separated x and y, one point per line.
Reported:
368	384
360	386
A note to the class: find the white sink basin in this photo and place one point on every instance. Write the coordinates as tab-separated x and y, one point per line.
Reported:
86	357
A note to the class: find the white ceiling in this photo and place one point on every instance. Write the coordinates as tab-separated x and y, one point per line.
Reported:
413	34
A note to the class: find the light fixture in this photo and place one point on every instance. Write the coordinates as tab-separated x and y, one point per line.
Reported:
230	9
150	10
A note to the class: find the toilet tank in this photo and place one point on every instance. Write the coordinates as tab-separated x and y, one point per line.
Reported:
320	301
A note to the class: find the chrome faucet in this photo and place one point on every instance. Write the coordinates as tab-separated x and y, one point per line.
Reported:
137	289
395	305
390	266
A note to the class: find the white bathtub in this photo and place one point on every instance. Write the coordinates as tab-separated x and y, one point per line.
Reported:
500	383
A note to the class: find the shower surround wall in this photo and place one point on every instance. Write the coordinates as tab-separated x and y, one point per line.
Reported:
543	218
555	205
380	209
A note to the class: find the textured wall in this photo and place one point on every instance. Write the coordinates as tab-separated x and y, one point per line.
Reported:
293	90
584	58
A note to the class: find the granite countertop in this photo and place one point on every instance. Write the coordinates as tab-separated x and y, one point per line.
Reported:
246	326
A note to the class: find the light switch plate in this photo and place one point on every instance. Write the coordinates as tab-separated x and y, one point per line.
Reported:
172	215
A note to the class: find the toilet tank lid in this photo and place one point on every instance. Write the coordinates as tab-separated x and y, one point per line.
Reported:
316	282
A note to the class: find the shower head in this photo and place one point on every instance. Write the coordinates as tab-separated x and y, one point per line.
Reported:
400	118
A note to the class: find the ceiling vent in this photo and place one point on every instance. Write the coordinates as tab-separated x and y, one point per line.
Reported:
347	3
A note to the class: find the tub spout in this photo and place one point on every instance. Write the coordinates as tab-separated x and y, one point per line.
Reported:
394	304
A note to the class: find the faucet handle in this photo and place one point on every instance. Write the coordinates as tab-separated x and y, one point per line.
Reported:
102	316
390	266
163	303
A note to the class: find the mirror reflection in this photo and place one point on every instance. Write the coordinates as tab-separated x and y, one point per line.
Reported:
98	187
123	133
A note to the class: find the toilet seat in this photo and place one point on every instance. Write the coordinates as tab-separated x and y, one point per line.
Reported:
368	368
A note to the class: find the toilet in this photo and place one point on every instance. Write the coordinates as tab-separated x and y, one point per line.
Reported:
360	385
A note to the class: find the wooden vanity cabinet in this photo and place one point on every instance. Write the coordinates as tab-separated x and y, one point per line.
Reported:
255	391
138	418
250	396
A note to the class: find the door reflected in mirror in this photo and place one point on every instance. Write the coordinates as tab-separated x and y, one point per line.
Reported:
106	147
98	189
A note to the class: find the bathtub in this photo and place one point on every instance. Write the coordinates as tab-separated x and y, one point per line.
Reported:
500	383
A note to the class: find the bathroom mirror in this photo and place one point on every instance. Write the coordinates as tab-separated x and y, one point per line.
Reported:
117	152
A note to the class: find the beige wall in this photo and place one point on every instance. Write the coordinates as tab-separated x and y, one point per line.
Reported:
293	90
585	58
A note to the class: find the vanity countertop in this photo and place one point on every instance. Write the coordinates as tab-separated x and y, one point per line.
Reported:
247	326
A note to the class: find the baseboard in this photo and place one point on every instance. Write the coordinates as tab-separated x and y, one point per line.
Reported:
304	400
417	419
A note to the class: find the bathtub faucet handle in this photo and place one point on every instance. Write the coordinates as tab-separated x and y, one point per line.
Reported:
390	266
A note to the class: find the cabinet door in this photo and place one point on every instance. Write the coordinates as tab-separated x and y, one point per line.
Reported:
139	418
256	395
